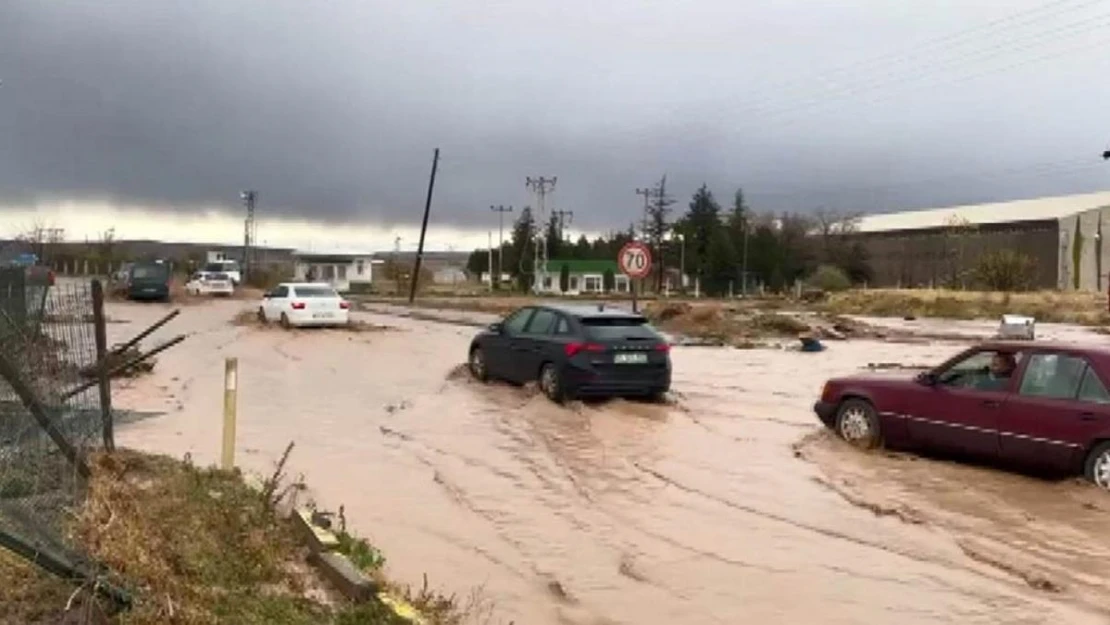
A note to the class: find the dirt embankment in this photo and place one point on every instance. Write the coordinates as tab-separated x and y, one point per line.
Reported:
1083	308
198	545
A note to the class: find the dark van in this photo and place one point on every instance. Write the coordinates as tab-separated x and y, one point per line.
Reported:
149	281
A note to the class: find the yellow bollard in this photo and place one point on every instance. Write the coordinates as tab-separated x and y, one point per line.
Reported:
231	386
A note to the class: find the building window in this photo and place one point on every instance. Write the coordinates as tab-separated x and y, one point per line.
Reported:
620	283
329	272
592	284
360	267
573	283
547	283
342	272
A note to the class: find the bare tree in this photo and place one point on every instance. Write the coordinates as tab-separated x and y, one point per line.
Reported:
42	239
835	229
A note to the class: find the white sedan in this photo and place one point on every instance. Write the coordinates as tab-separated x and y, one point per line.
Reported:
208	283
299	304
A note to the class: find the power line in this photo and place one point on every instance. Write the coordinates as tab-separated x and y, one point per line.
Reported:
959	38
886	82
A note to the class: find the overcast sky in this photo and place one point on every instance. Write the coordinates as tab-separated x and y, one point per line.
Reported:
331	110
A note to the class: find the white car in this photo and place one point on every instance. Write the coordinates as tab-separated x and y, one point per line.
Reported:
207	283
300	304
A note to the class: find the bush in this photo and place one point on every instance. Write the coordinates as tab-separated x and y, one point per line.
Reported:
1005	270
830	278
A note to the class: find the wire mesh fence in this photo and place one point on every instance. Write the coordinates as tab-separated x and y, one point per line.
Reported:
47	348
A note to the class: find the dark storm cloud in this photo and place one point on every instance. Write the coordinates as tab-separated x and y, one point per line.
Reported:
331	110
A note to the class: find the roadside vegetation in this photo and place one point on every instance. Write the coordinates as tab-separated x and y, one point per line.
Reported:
196	546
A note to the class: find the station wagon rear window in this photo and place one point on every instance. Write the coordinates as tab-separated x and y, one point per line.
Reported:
147	272
314	291
615	328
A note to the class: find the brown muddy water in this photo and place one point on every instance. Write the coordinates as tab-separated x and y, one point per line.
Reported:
729	505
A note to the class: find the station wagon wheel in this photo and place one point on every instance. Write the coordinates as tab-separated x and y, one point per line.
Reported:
285	321
858	423
550	383
477	362
1097	467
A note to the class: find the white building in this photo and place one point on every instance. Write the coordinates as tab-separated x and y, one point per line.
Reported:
584	277
344	272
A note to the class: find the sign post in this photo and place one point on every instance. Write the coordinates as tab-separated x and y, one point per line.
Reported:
634	261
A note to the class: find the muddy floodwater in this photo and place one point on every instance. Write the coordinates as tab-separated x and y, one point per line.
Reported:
729	505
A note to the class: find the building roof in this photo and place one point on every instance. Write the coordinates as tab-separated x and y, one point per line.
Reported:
1040	209
582	266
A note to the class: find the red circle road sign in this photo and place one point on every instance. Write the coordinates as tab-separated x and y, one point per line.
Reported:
634	260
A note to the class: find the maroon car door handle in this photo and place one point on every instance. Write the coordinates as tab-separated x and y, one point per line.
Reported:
991	403
1089	416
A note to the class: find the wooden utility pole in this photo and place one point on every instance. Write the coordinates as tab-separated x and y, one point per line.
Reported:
423	228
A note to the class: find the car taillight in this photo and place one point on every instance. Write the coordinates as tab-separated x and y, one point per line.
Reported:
344	305
298	305
573	348
663	347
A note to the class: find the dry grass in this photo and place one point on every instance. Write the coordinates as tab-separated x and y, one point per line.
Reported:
1048	306
195	546
731	325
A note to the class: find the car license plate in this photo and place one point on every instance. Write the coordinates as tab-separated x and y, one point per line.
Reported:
635	358
321	315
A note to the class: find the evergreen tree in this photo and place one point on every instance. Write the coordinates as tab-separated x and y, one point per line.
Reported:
701	222
519	259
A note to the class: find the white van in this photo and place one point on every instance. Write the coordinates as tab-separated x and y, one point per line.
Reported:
230	267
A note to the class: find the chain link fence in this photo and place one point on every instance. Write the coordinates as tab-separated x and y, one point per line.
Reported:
48	349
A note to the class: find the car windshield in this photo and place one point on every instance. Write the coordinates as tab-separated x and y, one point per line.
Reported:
314	291
614	327
217	276
149	272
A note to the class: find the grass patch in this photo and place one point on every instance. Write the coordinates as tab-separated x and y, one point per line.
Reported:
198	546
1047	306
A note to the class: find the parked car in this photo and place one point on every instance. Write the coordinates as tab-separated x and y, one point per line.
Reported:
230	267
205	283
299	304
575	351
149	281
1043	406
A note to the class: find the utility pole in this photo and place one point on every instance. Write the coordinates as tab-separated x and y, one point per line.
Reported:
249	231
563	218
744	265
541	186
423	227
491	262
500	210
647	193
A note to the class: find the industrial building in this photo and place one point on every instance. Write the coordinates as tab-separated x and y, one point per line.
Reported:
941	247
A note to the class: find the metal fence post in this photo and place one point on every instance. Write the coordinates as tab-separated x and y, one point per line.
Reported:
231	387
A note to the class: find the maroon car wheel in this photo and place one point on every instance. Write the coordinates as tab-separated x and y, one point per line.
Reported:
1097	466
858	423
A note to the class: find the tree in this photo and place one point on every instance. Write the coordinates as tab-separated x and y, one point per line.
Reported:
42	240
608	281
1005	270
738	224
658	225
519	261
478	262
564	278
698	225
554	235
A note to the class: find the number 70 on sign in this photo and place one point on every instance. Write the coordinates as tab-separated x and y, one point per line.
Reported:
634	260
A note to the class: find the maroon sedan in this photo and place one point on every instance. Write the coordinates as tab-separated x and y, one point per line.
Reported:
1041	405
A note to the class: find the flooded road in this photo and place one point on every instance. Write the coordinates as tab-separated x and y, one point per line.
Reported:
729	505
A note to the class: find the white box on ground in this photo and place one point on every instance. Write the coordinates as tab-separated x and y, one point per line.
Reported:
1017	327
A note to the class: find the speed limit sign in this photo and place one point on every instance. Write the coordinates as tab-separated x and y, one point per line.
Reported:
634	260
